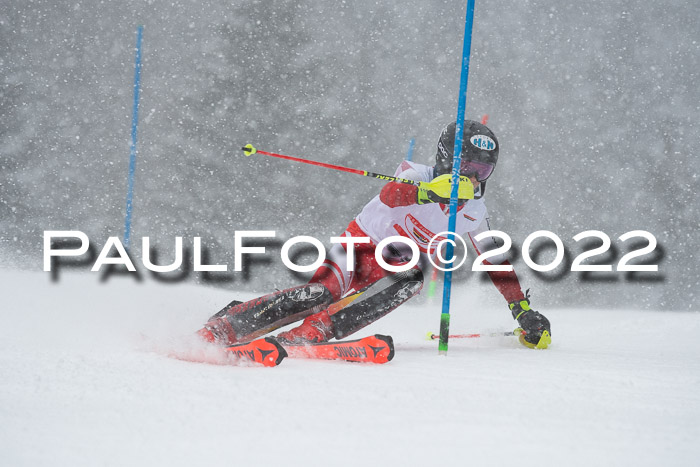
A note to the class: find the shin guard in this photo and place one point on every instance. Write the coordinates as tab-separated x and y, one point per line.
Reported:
243	322
354	312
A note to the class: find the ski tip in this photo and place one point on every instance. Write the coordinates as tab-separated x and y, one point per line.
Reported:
281	351
249	150
380	354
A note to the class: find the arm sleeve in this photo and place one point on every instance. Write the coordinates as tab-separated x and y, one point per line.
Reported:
505	281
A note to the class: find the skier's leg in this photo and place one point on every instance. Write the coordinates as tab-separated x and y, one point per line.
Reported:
336	273
358	309
241	322
333	274
244	322
374	302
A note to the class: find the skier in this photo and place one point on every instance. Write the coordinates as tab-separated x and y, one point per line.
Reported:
350	291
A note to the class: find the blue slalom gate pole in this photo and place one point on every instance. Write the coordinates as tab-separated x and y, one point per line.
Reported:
456	163
411	144
134	126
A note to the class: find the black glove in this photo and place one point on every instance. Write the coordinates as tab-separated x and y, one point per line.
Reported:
536	329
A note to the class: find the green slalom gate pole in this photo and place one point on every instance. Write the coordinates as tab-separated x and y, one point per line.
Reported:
457	161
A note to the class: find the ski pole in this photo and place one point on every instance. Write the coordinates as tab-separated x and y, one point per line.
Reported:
431	336
249	150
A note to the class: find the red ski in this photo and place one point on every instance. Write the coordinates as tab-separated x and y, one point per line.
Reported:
266	351
371	349
270	352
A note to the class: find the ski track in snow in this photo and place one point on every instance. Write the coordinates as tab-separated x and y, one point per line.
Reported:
85	380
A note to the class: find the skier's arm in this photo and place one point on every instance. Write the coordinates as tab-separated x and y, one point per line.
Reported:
536	330
505	281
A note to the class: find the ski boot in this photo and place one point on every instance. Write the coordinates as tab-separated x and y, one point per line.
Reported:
315	328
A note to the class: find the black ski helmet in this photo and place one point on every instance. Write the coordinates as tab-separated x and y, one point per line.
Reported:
479	145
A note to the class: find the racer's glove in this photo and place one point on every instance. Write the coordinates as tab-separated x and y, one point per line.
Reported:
536	332
438	190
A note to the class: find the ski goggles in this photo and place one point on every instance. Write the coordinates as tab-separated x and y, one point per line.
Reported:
482	170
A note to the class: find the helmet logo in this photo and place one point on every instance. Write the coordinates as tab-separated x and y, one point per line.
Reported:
483	142
443	151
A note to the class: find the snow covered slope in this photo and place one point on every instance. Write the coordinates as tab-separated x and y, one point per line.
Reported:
82	384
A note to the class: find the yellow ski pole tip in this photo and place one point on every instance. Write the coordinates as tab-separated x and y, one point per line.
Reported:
429	336
249	150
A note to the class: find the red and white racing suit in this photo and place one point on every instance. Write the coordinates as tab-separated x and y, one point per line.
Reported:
395	212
